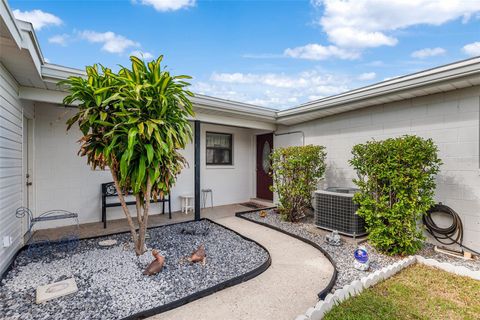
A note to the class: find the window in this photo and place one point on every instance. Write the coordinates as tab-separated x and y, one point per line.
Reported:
219	148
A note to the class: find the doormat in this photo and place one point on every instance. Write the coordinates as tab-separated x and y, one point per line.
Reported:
253	205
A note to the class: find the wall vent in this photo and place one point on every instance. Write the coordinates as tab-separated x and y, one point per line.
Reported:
335	210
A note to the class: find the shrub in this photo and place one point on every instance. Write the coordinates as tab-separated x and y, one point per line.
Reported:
296	171
397	184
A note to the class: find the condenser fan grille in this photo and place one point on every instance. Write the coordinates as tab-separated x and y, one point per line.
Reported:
335	210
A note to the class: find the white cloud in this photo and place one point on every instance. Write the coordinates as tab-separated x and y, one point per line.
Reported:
315	51
60	39
269	79
273	89
112	42
472	49
168	5
38	18
352	25
142	54
367	76
353	38
370	23
428	52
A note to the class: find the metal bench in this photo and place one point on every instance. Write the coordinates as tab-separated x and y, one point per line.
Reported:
39	245
109	190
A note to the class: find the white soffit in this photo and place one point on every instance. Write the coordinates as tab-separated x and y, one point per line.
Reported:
8	25
216	106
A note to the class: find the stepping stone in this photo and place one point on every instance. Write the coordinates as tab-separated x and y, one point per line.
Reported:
56	290
107	243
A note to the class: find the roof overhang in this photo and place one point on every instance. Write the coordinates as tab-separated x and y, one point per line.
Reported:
20	51
449	77
453	76
8	27
442	79
208	109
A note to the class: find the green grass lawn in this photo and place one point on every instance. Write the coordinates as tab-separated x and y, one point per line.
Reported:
417	292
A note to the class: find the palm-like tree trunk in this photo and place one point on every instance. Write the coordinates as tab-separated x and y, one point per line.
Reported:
142	207
142	215
133	229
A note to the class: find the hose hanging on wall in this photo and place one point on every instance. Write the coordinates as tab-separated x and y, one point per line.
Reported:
452	234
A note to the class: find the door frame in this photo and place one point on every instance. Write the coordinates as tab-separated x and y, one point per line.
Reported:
255	164
28	192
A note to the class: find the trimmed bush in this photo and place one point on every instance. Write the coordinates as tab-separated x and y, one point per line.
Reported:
296	171
396	178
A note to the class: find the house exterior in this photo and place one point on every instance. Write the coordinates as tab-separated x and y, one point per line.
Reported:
40	168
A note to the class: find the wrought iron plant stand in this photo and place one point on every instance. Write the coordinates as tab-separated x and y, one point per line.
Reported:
40	245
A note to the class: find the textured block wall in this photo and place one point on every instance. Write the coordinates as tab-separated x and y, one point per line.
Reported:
450	119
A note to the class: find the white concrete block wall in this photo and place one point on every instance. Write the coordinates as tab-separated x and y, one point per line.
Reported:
288	138
64	181
11	133
451	119
230	184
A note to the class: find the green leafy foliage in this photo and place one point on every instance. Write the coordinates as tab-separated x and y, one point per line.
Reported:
135	122
396	178
295	172
417	292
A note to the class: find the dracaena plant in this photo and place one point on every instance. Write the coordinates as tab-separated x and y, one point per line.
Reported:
134	122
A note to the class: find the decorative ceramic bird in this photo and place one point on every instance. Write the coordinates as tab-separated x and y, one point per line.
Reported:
156	265
198	255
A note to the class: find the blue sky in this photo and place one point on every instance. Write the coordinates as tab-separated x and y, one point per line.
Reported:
270	53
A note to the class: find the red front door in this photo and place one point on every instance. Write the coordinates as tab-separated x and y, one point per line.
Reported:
264	178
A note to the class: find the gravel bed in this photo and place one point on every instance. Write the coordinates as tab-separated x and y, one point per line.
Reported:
343	255
110	280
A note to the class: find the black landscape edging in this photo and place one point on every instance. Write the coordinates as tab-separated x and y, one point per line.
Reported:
322	294
195	296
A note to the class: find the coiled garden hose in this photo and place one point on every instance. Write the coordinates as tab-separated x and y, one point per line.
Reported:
452	234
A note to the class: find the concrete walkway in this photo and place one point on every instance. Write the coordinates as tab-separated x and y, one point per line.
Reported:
288	288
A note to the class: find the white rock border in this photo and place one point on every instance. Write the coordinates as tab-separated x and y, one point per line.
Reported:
357	286
445	266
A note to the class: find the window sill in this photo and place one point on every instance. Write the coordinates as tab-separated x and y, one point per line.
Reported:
219	166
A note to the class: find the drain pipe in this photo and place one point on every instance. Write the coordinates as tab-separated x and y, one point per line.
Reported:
292	132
